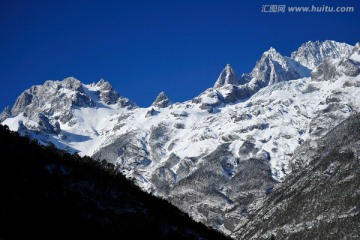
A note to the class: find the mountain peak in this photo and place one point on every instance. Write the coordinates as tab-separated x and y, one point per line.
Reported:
109	95
227	76
273	68
161	101
70	83
272	54
104	85
70	79
6	113
311	54
271	50
101	82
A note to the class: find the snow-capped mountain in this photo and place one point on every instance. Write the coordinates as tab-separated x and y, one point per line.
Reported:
273	68
67	113
216	154
311	54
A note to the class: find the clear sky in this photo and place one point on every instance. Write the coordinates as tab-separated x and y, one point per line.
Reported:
144	47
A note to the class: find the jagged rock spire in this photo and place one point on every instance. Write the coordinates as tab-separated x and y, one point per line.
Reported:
161	101
104	85
227	76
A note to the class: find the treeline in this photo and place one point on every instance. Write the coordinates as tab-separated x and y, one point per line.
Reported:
47	193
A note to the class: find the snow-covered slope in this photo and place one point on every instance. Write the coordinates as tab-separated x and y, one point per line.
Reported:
213	155
72	115
320	199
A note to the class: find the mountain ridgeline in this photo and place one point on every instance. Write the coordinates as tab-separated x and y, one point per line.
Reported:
50	194
221	155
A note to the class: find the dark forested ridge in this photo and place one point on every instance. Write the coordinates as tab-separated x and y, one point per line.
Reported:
50	194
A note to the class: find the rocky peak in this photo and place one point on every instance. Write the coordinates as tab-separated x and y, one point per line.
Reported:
110	96
161	101
52	97
272	53
227	76
273	68
101	82
69	83
107	94
6	113
311	54
104	85
60	98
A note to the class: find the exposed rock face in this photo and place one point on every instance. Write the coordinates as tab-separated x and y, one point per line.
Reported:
58	96
321	198
127	151
21	102
219	190
333	69
161	101
44	124
6	113
151	112
107	94
311	54
227	76
273	68
355	55
48	105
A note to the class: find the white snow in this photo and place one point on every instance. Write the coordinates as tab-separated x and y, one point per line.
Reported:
282	107
278	121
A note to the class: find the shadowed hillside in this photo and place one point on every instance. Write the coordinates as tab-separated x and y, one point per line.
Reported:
50	194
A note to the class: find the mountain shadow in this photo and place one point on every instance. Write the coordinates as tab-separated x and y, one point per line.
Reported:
48	193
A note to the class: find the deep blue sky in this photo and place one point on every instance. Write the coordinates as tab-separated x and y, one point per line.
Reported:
144	47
